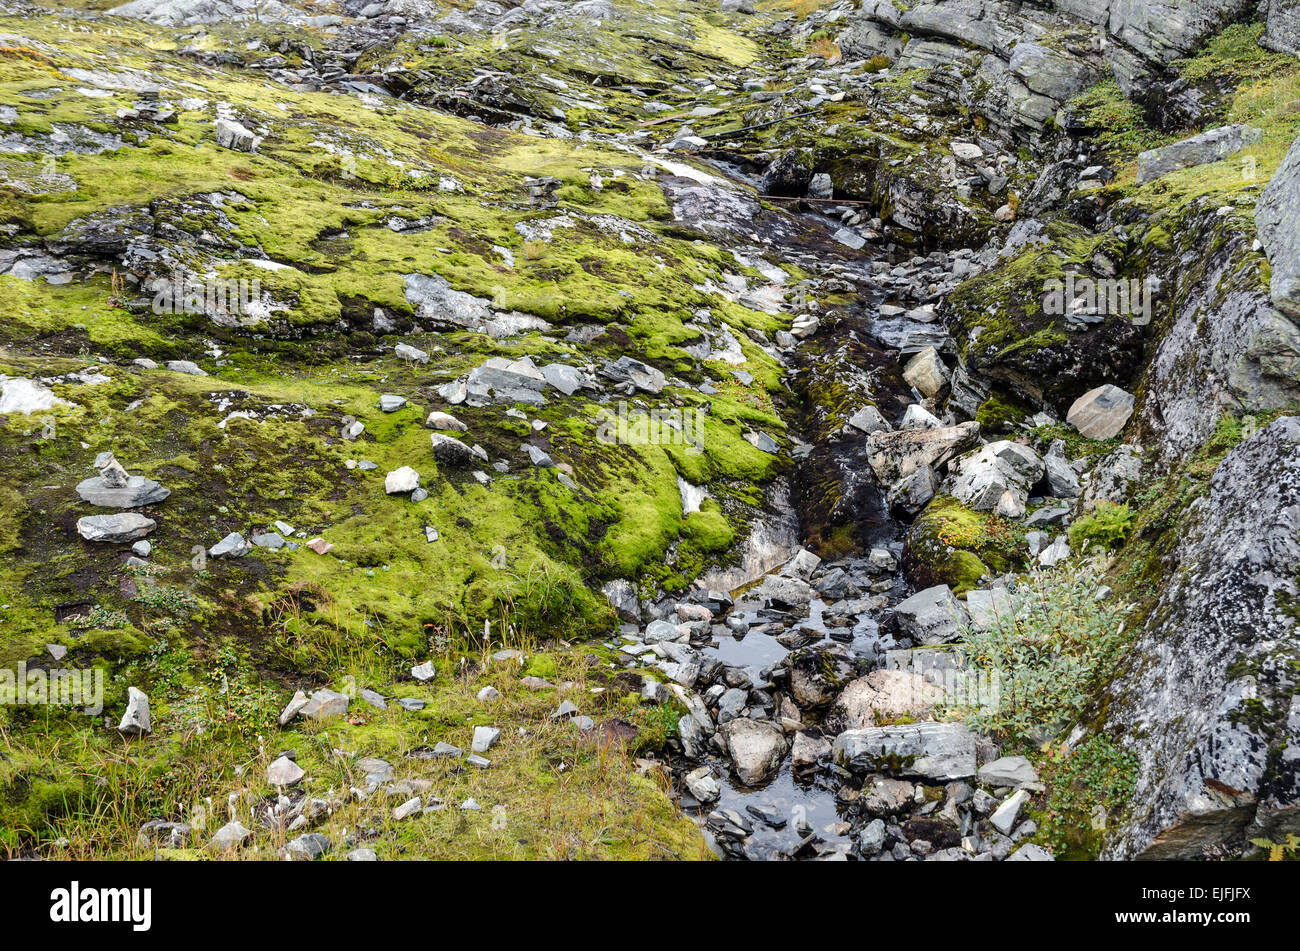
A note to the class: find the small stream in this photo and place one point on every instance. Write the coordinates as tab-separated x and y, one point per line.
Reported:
794	816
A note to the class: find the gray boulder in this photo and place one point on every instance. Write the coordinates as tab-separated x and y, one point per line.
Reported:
507	381
1101	412
1277	218
1282	27
622	597
1007	771
642	376
307	848
1200	149
942	752
913	492
932	616
894	455
1062	480
998	468
233	545
230	836
450	451
114	493
115	529
233	135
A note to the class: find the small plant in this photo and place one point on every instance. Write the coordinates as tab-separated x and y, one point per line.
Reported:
1106	527
824	47
1047	654
101	618
1089	788
1288	851
175	601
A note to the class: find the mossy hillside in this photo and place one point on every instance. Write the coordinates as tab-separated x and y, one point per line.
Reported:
517	560
551	792
578	72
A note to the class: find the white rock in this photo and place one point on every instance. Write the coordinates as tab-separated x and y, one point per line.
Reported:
402	481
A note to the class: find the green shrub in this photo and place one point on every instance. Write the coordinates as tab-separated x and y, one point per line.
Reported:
1046	656
1106	527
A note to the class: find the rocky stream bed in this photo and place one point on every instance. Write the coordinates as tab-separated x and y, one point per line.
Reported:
665	429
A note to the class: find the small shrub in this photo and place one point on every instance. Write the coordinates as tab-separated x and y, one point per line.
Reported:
1047	655
1106	527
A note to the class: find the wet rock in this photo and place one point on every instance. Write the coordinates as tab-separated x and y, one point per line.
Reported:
756	749
942	752
817	676
790	174
1205	730
115	529
868	420
910	494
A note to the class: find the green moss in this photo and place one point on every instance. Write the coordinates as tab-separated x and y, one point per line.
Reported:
953	545
1106	526
1000	414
